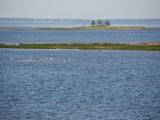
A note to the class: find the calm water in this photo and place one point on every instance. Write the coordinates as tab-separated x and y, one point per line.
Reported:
92	85
30	22
24	36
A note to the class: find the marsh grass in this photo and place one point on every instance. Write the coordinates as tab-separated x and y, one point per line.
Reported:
90	46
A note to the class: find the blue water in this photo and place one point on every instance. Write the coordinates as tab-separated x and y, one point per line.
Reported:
32	37
92	85
30	22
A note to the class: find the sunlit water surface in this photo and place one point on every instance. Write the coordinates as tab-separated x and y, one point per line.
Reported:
79	85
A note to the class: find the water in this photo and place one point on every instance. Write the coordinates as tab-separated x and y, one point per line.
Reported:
32	37
93	85
78	84
40	37
30	22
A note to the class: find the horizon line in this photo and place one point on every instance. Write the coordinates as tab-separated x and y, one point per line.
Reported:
80	18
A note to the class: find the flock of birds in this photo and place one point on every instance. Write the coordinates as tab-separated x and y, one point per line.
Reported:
41	60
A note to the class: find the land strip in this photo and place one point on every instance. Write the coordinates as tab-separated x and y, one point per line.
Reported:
79	28
89	46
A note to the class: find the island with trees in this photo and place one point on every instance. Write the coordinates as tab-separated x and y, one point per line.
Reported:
93	25
100	23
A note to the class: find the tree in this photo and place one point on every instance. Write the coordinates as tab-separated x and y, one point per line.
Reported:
93	23
99	23
107	23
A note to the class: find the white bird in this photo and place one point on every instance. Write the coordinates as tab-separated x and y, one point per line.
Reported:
69	59
18	59
64	61
31	59
51	58
12	58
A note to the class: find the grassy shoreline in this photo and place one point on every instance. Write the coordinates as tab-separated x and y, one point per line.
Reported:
89	46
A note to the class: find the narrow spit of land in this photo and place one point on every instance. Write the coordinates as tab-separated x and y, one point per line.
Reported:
80	28
90	46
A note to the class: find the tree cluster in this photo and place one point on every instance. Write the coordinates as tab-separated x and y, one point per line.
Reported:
100	23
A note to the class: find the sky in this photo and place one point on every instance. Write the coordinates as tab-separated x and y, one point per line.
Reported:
80	9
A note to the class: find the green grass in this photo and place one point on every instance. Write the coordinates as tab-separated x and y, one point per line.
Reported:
88	46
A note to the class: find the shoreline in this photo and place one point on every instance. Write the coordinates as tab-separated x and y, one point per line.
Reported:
87	28
89	46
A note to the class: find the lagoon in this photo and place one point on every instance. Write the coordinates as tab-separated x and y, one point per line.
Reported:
98	36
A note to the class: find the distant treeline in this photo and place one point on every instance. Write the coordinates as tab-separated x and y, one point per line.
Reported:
100	23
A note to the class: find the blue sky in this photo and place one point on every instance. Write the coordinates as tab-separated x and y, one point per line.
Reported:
84	9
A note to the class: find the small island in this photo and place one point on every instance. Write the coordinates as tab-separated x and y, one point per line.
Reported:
94	25
80	28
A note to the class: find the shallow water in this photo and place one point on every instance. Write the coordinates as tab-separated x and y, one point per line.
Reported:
39	37
92	85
